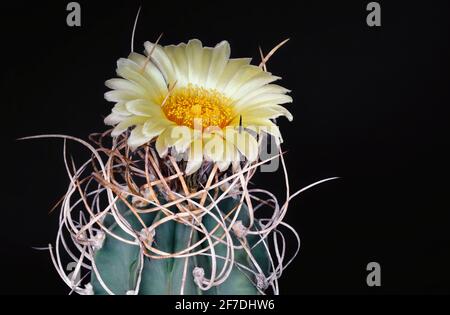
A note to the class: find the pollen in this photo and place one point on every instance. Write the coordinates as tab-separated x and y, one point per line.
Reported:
185	105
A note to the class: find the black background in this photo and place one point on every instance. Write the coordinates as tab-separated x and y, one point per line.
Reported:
370	106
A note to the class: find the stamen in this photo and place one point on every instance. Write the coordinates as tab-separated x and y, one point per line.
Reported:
186	104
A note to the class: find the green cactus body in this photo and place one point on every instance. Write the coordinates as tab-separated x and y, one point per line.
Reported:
119	263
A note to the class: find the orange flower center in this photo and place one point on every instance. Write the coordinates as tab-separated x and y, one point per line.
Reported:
189	104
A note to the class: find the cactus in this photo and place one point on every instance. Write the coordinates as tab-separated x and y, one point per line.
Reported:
118	263
166	208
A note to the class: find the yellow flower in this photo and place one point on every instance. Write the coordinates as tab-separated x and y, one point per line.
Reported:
196	100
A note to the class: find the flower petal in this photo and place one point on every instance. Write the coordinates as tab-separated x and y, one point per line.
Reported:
121	109
243	75
180	137
128	122
114	118
161	146
192	166
230	70
159	57
195	157
149	71
137	138
214	148
146	108
154	86
254	83
179	60
194	55
254	96
243	141
204	66
126	85
154	128
119	96
259	125
267	112
219	59
262	100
